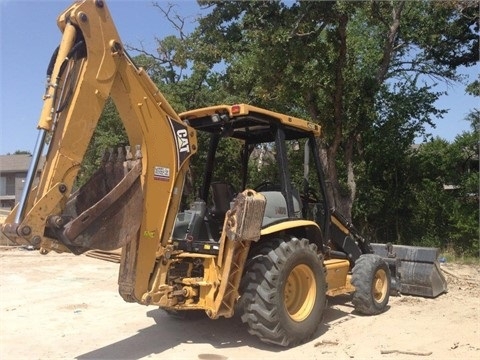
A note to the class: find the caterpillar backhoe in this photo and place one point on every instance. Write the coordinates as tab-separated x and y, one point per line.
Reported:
273	250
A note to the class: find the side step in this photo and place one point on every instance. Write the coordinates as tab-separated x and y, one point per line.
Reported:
415	270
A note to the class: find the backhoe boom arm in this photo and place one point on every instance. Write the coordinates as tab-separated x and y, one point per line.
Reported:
139	206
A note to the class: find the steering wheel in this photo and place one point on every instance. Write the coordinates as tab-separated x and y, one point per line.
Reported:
265	186
311	195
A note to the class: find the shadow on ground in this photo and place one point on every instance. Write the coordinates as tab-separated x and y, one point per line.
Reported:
171	331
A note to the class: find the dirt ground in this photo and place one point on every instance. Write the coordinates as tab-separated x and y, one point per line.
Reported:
64	306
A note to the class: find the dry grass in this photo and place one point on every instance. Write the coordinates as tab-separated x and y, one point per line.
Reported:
452	257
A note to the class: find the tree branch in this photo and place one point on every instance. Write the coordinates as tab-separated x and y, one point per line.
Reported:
390	43
177	22
146	53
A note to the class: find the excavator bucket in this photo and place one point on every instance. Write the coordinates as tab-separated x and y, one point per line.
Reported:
415	270
106	212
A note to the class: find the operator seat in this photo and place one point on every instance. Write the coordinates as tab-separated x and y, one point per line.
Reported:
276	207
222	194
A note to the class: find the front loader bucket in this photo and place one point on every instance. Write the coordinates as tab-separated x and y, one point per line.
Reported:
415	270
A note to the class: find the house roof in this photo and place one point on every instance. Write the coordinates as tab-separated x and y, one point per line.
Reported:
17	163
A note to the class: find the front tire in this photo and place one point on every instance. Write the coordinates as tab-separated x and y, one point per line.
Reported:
284	292
372	281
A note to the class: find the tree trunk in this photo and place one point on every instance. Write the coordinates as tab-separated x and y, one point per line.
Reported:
341	141
389	45
343	203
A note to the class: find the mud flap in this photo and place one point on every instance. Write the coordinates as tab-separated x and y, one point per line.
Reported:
105	213
415	270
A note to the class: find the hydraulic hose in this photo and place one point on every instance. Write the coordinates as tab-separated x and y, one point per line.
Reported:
78	51
80	45
51	64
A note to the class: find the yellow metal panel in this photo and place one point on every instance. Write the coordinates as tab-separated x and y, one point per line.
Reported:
338	279
288	224
339	225
245	109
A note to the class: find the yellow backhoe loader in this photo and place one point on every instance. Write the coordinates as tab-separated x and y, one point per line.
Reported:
273	250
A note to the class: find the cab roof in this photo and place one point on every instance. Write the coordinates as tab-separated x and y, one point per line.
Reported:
248	122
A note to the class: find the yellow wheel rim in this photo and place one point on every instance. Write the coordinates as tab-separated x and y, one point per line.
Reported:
380	285
300	292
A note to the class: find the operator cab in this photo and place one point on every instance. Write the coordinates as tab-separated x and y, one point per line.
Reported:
248	148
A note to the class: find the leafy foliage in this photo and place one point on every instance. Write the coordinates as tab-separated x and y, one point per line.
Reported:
427	197
109	134
339	63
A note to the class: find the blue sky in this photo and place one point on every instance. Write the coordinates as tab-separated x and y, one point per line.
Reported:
28	36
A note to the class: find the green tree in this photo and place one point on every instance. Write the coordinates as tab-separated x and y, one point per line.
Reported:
445	205
108	135
333	62
431	202
456	166
464	214
21	152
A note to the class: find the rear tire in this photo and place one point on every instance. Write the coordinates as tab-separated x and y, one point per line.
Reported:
372	280
284	292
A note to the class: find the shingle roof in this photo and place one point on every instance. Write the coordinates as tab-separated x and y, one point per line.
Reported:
16	163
